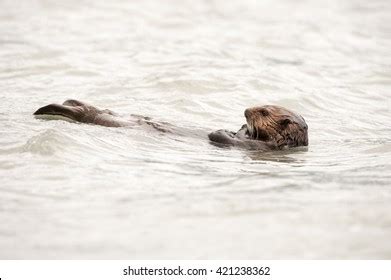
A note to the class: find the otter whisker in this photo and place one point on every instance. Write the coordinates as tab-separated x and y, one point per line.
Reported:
250	128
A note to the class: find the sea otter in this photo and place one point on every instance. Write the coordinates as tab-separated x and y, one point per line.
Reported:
268	127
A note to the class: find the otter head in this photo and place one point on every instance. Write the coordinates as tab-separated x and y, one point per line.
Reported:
278	125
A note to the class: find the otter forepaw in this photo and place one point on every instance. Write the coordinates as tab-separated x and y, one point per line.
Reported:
222	136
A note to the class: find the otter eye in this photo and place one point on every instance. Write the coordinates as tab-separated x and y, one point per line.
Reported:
284	122
263	112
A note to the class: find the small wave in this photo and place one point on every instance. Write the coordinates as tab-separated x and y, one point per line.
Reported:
46	143
82	73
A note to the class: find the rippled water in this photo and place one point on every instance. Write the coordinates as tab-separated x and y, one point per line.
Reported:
72	190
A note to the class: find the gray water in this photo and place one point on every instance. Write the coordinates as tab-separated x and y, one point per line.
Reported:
70	190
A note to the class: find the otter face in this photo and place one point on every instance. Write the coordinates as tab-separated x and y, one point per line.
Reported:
276	124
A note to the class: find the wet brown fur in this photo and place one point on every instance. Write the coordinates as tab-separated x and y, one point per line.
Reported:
278	125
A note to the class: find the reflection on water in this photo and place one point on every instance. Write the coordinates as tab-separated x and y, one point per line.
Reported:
286	156
82	191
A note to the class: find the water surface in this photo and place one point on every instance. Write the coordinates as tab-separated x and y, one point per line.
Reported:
72	190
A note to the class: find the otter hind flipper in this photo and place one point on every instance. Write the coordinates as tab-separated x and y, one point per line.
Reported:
57	111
